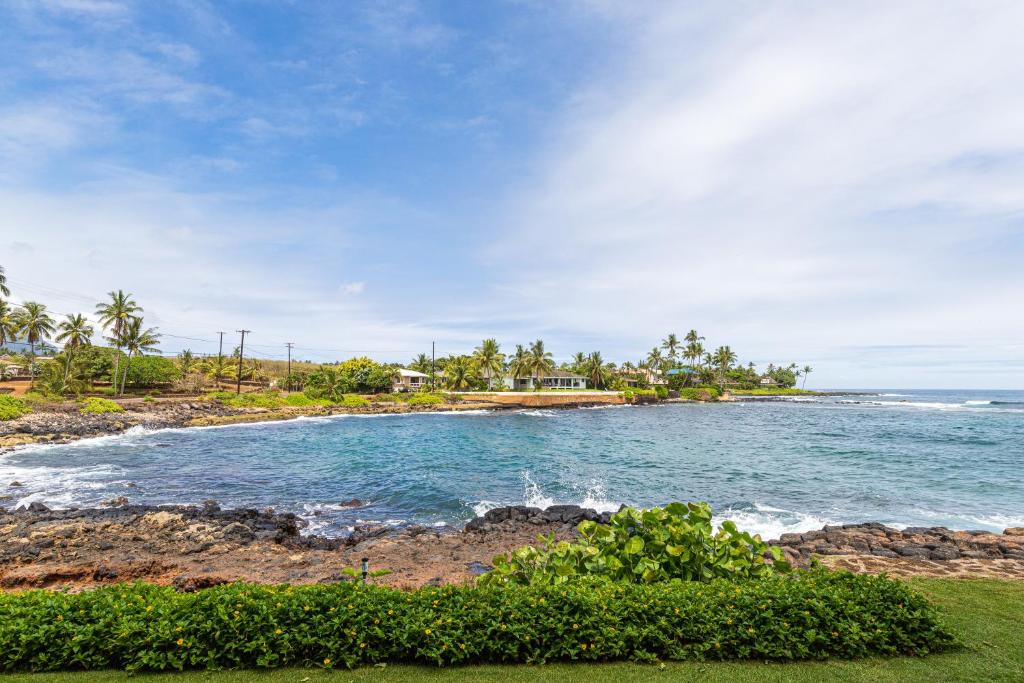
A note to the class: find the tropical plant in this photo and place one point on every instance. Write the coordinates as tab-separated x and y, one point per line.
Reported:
186	360
542	363
724	358
643	546
671	346
34	324
421	363
12	408
655	361
114	317
807	370
137	340
595	370
98	406
3	283
460	373
490	360
8	323
326	382
519	366
814	615
74	332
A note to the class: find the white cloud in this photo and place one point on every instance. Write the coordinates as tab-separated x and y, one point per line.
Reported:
353	287
787	181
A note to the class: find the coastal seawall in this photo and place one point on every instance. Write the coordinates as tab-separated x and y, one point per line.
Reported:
524	399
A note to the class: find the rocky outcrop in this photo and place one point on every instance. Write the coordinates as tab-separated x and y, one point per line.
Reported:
923	543
503	517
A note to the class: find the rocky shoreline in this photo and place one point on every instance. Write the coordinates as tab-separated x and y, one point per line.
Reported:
63	422
192	547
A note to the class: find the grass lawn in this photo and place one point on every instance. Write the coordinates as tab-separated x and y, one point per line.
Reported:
988	616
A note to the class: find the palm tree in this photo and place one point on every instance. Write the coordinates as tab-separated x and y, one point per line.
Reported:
724	358
807	370
459	372
216	366
34	323
655	360
671	346
421	363
115	316
596	371
3	283
519	366
541	362
185	362
74	332
8	323
137	341
489	359
579	359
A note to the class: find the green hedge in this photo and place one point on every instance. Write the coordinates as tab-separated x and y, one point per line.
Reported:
138	627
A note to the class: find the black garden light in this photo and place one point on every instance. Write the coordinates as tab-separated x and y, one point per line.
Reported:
366	568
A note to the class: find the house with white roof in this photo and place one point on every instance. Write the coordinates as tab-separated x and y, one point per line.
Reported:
409	380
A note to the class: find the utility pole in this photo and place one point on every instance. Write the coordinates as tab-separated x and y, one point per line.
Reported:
241	355
289	376
432	380
220	356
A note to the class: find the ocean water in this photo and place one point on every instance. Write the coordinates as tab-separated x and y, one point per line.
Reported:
900	457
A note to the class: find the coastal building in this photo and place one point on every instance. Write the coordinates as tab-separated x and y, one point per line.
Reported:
556	379
767	381
645	377
409	380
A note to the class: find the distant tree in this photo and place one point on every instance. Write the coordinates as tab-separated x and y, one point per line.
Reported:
34	324
8	323
3	282
655	361
541	362
724	358
671	346
597	373
421	363
74	332
186	360
114	316
807	370
460	373
519	366
489	359
137	341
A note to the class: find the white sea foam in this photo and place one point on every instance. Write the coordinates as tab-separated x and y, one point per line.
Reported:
592	495
771	522
538	412
977	403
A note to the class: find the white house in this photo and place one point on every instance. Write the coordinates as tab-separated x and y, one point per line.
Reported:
556	379
409	380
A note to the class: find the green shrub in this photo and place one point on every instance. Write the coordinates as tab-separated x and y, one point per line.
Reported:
98	406
423	399
631	394
148	371
303	401
699	393
662	391
816	615
11	408
643	546
264	399
353	401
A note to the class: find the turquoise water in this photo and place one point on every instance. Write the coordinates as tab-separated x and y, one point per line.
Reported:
903	458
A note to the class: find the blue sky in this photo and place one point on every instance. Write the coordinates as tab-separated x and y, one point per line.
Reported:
839	186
